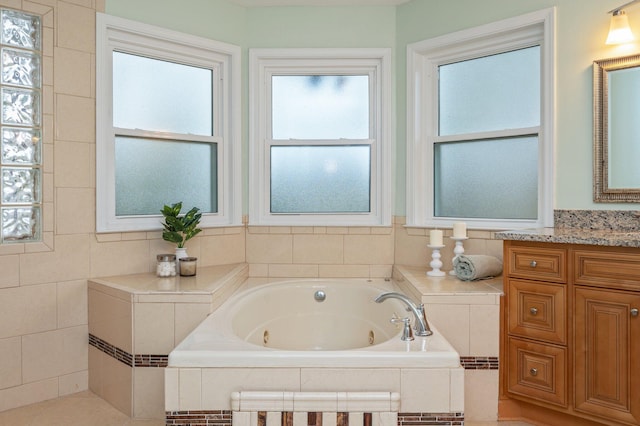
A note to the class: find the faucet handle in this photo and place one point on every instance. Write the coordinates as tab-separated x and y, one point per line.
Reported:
407	332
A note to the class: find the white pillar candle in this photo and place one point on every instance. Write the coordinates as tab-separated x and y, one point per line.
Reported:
460	230
435	237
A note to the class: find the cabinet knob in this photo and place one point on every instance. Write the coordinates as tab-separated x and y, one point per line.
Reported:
533	371
534	311
533	264
634	312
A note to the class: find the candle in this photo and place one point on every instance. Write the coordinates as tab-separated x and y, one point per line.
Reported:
435	237
459	230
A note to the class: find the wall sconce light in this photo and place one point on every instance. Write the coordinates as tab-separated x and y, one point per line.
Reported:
619	31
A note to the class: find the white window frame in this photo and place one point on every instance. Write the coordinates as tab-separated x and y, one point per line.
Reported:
423	60
263	63
122	35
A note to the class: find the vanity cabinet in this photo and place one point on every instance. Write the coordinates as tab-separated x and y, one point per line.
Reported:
572	331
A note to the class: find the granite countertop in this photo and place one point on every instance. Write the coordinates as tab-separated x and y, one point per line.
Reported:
597	237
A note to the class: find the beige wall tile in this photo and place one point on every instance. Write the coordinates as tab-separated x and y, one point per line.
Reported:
73	383
69	261
318	249
293	271
54	353
119	258
10	267
456	390
95	368
26	310
222	249
344	271
76	27
425	390
190	389
484	330
364	379
75	211
269	248
453	322
171	391
481	395
72	303
187	317
218	383
75	118
380	271
153	328
110	319
11	365
368	249
29	393
148	393
117	384
74	165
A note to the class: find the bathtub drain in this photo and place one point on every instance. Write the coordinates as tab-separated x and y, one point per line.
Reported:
372	337
265	337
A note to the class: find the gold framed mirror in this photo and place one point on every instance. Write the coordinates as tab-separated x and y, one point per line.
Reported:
616	130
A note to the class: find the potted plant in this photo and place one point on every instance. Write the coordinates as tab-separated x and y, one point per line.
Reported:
178	228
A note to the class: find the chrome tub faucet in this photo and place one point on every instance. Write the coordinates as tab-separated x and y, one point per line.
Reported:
421	326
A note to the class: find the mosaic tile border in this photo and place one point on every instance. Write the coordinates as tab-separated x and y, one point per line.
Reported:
225	418
480	362
161	361
157	361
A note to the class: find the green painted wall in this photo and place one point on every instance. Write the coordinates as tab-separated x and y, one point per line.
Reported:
581	30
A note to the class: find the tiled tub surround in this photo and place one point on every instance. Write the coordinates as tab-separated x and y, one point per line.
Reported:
136	320
425	392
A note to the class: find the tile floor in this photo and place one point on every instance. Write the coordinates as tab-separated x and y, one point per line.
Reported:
87	409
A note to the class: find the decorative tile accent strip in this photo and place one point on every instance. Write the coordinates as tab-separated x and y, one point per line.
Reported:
479	362
125	357
224	418
198	418
418	419
112	351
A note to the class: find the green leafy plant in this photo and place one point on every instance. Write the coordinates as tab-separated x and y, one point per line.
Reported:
179	229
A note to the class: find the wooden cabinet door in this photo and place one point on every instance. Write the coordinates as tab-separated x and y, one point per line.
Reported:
607	354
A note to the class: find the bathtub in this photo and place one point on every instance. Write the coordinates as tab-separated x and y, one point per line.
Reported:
310	323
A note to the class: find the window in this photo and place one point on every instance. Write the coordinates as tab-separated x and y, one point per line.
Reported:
167	126
20	130
480	126
320	148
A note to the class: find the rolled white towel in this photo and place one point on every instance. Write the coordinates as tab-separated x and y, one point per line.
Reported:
475	267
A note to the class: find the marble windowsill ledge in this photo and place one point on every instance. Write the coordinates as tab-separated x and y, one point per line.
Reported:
597	237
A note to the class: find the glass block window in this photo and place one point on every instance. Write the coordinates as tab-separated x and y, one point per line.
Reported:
20	126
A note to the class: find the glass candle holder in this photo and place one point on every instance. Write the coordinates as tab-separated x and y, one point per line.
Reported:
188	266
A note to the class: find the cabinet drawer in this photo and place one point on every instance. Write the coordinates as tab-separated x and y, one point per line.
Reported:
547	264
537	310
537	371
607	269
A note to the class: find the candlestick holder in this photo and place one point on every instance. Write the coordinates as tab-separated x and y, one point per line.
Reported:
436	263
457	251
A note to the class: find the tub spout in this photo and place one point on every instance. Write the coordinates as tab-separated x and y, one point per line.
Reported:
421	325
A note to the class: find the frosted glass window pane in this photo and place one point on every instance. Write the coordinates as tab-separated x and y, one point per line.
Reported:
320	179
21	224
20	107
20	185
20	68
491	93
151	173
320	106
161	96
20	29
20	146
495	179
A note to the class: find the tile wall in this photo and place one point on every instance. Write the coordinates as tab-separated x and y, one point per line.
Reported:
43	287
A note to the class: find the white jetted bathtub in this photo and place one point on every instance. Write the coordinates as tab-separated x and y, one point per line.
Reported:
311	323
